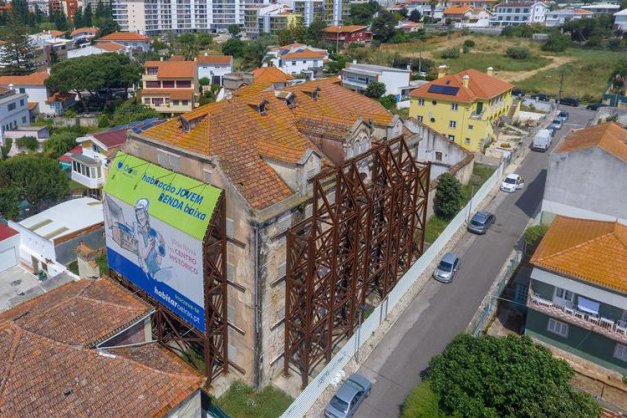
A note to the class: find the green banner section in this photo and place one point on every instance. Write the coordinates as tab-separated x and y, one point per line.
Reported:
180	201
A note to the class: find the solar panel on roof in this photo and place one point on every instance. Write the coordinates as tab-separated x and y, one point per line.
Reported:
448	90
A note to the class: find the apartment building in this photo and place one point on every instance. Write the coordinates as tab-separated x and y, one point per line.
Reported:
556	18
463	106
519	13
170	87
13	110
297	59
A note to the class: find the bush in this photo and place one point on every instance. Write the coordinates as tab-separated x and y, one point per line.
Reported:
448	196
375	89
389	101
469	43
556	42
614	43
532	237
29	143
450	53
4	149
103	121
517	52
422	402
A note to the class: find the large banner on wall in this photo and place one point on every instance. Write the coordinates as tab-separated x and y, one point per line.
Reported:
155	221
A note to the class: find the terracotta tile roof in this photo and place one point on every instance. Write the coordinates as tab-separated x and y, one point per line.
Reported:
124	36
480	86
43	377
78	31
109	46
244	140
290	46
215	59
175	94
56	33
112	138
60	97
344	29
595	251
98	309
173	69
307	53
6	232
270	75
34	79
610	137
583	12
32	105
457	10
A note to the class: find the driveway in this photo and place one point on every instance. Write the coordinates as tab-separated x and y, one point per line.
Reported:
442	311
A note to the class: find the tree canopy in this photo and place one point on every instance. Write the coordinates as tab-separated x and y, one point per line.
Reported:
448	196
16	55
505	377
363	13
375	89
383	26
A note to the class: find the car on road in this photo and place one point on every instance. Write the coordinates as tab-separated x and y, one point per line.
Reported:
348	397
445	271
556	124
518	92
542	140
569	101
595	106
480	223
512	182
563	116
541	97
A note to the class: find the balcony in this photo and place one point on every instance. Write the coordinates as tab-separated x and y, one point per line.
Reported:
616	330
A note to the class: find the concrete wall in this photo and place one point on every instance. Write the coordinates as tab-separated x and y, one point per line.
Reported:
586	180
394	80
9	252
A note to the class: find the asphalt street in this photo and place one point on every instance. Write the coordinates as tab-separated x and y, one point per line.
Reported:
442	311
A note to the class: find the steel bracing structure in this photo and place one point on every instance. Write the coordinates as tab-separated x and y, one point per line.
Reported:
366	229
208	350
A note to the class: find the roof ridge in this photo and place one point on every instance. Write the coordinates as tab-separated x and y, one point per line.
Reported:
11	357
577	246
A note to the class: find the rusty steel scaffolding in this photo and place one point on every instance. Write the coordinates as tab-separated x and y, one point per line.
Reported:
210	347
366	229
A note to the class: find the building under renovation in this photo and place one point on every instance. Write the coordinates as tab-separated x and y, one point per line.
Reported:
323	207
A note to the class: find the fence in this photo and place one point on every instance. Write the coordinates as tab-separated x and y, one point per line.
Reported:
333	369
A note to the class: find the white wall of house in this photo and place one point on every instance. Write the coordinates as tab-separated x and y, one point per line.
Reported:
213	70
38	94
14	111
394	80
294	67
33	245
9	252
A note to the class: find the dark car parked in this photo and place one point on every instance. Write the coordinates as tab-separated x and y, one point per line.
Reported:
480	223
569	101
518	92
595	106
541	97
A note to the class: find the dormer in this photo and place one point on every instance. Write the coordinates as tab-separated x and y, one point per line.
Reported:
287	96
313	93
189	124
259	107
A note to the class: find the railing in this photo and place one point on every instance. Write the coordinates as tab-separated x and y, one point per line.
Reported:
616	330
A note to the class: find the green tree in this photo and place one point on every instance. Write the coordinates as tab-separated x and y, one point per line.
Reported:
61	141
415	16
383	26
389	102
505	377
9	200
17	53
556	42
204	40
187	46
28	143
36	179
450	53
375	89
107	26
101	10
314	34
234	47
132	111
363	13
255	51
532	237
5	148
469	43
448	196
618	78
88	16
78	18
234	29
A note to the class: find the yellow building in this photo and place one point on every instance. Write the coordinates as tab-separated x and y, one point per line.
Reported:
463	106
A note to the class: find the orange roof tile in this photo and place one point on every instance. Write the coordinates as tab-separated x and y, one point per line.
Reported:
215	59
124	36
109	46
60	97
270	75
78	31
35	79
457	10
307	53
173	69
595	251
32	105
610	137
343	29
174	94
56	33
480	86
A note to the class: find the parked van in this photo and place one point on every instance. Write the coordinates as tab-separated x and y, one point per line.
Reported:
542	140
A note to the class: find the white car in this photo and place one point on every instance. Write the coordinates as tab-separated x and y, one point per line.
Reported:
512	183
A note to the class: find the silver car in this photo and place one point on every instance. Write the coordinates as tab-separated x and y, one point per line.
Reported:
445	271
480	223
348	397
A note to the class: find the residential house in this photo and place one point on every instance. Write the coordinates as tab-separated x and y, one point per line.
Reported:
297	59
33	85
214	67
13	110
84	34
262	147
557	18
463	106
131	40
47	44
425	7
408	26
602	8
467	16
620	20
346	35
97	49
170	86
586	175
89	345
519	13
578	292
480	4
358	76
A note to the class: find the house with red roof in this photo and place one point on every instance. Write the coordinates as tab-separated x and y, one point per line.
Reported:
170	87
84	34
34	85
97	49
214	67
295	59
133	41
347	34
9	247
466	16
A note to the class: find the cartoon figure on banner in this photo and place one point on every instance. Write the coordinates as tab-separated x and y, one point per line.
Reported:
150	244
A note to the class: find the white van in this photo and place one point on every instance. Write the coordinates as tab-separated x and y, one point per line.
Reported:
542	140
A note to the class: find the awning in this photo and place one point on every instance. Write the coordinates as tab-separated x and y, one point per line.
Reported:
587	305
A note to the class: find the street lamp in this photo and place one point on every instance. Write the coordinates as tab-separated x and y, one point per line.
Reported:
362	309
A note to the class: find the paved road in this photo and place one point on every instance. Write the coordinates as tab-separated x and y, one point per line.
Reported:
442	311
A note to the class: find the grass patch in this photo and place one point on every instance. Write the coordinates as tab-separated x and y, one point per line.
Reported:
585	78
481	61
422	403
435	226
76	188
241	401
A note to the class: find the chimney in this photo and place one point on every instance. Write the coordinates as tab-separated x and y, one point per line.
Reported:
442	70
466	80
490	72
